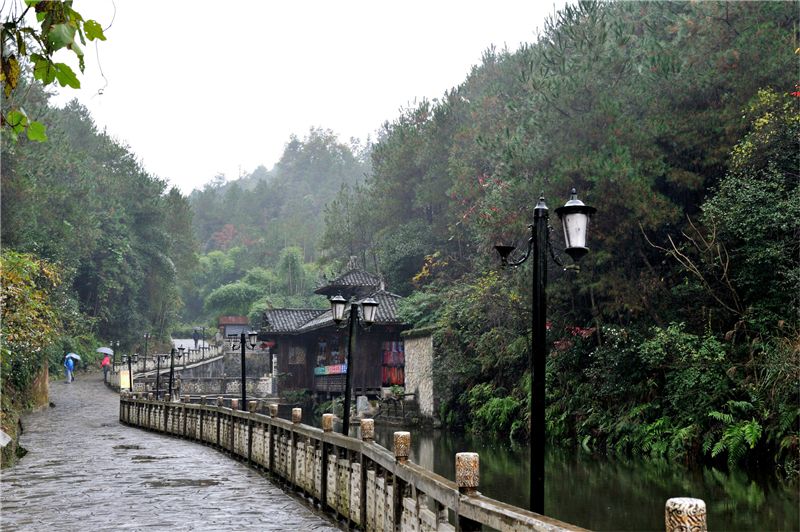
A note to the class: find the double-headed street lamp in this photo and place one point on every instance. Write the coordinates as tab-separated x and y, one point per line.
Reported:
370	308
574	217
245	339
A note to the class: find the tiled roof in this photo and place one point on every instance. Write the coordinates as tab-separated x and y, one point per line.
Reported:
291	319
387	313
350	279
387	307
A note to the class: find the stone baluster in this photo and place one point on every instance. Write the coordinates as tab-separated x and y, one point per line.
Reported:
234	404
273	410
252	406
297	415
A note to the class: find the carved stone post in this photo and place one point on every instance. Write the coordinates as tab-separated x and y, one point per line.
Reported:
402	446
468	479
297	415
234	404
367	430
684	514
273	410
327	422
252	406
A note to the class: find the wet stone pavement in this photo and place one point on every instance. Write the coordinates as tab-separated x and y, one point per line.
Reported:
85	471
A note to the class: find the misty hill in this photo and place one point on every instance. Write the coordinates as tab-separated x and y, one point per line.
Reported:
273	209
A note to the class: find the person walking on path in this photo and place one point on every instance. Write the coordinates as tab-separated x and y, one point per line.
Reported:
196	338
69	364
105	364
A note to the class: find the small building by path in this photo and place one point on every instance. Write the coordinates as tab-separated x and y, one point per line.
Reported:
312	350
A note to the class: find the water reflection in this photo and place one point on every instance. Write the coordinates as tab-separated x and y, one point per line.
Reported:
611	494
602	493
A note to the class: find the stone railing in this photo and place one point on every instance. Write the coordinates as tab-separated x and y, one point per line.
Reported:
360	483
192	356
257	387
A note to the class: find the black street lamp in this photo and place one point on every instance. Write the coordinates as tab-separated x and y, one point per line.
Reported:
246	340
130	358
115	346
574	217
370	308
144	357
157	359
172	356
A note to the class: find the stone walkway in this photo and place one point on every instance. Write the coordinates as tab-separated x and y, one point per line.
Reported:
85	471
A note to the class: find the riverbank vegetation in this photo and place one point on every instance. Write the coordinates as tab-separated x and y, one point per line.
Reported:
679	122
679	338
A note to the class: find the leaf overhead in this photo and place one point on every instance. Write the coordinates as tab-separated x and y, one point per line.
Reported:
93	30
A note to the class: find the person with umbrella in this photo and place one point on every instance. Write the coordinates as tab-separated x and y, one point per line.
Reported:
69	364
106	363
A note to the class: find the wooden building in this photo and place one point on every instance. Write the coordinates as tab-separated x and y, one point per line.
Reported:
312	350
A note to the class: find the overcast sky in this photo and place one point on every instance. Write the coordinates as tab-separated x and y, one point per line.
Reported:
199	88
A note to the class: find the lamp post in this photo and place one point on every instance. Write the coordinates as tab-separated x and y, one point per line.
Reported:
245	339
172	356
115	346
370	308
574	217
157	358
144	357
130	358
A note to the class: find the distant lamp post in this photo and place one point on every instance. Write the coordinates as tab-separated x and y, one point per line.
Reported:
574	217
369	307
144	356
134	358
172	355
245	340
157	358
115	346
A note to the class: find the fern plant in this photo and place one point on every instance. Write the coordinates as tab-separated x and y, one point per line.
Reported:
738	436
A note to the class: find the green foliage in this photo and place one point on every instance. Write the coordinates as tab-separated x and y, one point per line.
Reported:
491	412
60	27
120	241
231	299
30	316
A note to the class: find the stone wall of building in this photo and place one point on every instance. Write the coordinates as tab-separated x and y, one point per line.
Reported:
419	370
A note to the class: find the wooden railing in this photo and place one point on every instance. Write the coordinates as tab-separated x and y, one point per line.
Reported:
362	484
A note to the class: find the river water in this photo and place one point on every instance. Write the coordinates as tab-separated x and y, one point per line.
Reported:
612	494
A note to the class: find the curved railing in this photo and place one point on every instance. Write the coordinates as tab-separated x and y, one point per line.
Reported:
361	483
